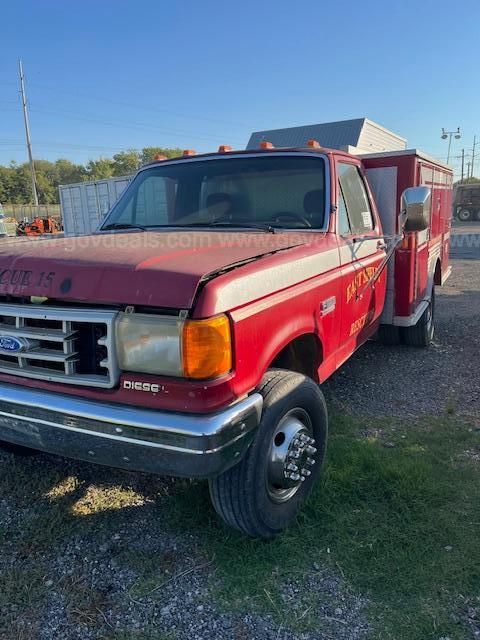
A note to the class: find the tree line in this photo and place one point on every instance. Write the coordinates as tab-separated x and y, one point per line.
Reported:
15	179
16	183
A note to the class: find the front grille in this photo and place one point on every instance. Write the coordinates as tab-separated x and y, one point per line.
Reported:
74	346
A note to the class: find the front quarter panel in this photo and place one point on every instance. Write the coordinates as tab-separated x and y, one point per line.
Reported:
273	304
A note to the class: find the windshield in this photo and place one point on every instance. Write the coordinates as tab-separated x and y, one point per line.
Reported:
278	191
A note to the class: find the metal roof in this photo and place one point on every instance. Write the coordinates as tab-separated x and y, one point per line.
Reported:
330	134
360	132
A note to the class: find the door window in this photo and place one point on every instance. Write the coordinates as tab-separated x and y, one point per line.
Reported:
356	199
343	222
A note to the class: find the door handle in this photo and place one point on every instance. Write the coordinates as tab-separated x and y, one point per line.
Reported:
381	245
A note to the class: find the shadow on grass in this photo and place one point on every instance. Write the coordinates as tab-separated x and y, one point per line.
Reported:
399	523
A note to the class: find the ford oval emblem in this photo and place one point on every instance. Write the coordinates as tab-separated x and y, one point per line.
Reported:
10	344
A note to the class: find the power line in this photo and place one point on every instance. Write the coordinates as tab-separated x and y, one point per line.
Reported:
137	126
138	106
54	145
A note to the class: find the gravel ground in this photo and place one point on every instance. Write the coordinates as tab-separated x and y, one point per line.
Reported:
105	581
92	588
183	606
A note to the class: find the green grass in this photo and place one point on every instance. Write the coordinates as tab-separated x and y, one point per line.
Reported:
382	517
399	525
22	588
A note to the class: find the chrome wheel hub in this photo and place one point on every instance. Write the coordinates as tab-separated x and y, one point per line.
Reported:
291	455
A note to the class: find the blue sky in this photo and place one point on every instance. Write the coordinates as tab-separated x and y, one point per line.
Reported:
105	76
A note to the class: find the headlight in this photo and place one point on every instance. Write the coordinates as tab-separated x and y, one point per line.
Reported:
149	344
168	346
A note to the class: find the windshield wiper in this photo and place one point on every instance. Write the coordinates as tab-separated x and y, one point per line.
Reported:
123	225
228	223
191	225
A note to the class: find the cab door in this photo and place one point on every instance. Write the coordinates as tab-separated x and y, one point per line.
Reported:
362	251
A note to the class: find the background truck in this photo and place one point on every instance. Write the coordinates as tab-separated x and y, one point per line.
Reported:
191	334
466	205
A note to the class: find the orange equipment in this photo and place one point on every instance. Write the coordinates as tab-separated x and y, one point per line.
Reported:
38	226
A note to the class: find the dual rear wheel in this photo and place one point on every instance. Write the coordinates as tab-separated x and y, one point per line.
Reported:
419	335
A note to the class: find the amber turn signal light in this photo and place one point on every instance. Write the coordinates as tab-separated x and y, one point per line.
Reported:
266	145
207	348
314	144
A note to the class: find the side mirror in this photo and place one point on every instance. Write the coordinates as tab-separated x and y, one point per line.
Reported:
416	206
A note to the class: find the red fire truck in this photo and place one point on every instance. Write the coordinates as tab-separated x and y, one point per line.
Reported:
190	335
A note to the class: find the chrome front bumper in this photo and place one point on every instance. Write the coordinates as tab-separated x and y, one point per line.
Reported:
121	436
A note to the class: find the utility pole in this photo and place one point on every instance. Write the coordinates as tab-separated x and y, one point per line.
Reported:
463	164
468	167
473	153
27	133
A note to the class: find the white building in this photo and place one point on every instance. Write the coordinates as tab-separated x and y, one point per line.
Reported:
355	136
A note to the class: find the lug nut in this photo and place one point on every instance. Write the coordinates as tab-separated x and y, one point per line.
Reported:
295	476
310	461
292	467
302	479
293	454
311	450
306	472
304	438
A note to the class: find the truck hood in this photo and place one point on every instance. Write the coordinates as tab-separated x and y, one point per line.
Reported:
162	269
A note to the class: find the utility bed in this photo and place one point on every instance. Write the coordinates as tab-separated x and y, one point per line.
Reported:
417	260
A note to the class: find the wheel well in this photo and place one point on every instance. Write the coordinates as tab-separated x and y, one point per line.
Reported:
437	277
303	355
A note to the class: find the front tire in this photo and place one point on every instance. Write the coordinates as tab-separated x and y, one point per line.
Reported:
263	493
421	334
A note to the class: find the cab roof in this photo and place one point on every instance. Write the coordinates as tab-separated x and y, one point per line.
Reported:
273	150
